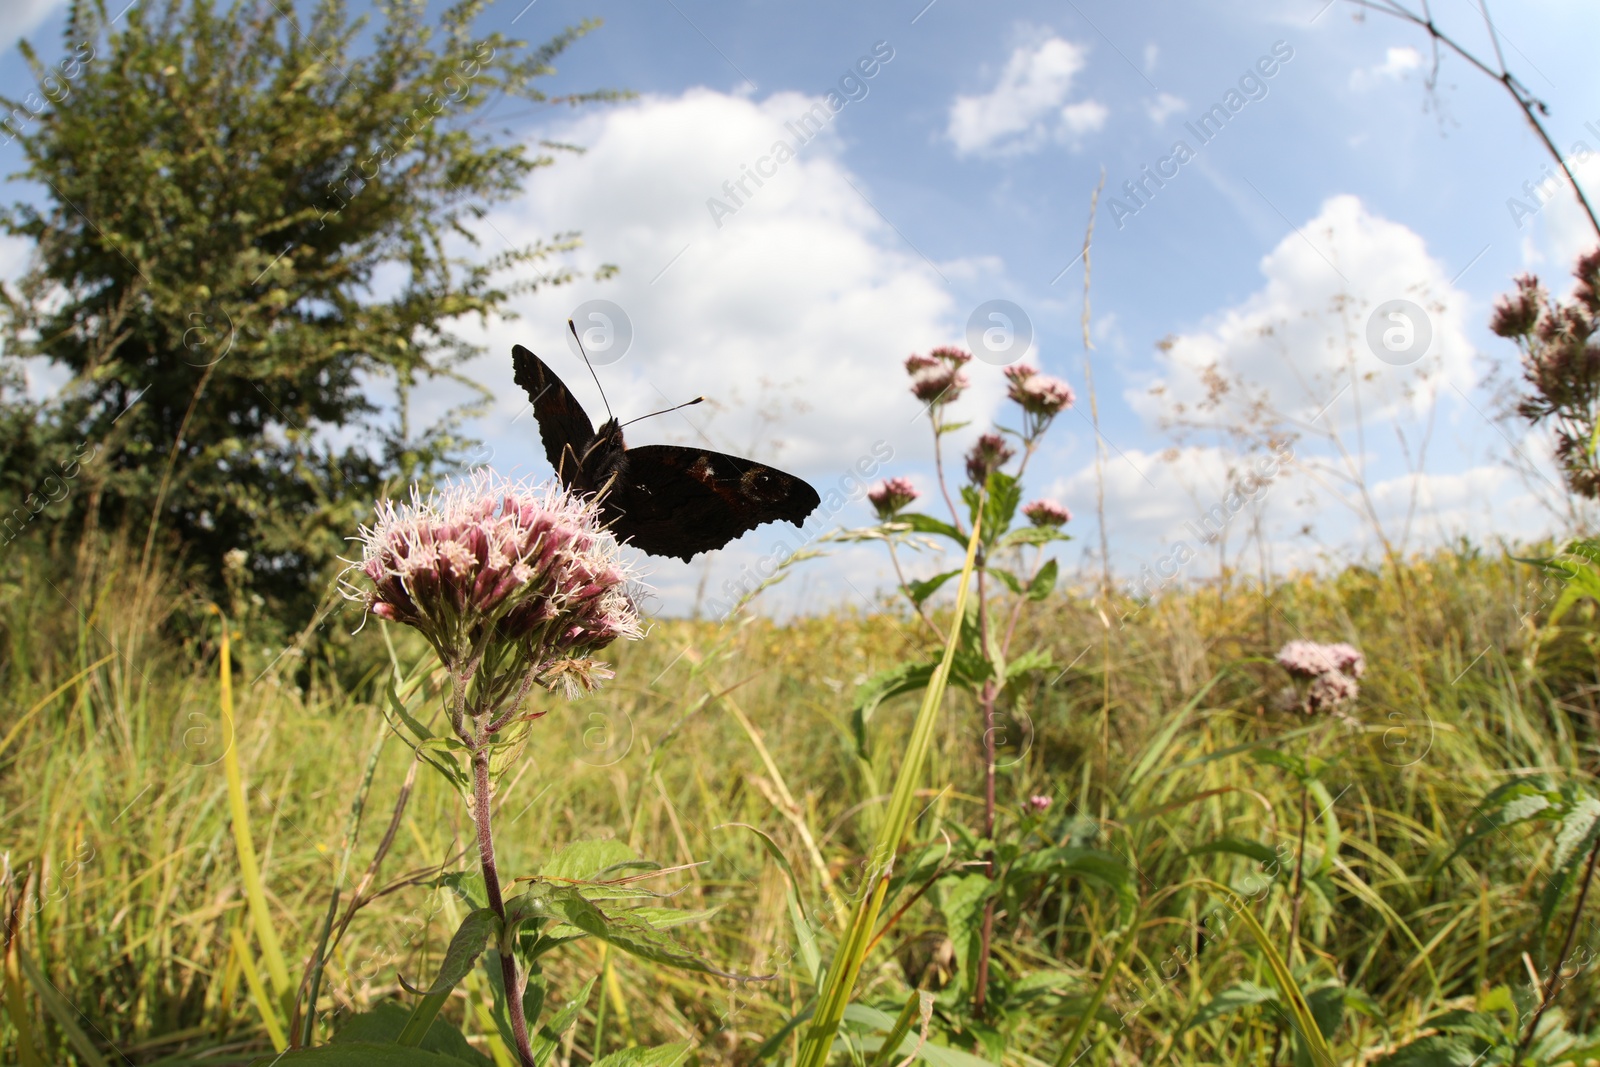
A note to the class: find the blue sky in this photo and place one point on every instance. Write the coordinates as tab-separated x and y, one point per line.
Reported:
961	173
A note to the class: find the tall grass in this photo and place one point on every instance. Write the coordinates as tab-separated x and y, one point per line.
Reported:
128	901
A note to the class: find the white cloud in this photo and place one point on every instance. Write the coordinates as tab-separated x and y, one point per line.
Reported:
1164	107
1300	342
17	17
1557	230
1397	64
1028	105
801	305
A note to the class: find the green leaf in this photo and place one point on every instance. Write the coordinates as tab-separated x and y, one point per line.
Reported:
935	1055
1003	495
922	590
1579	826
1032	535
1011	581
475	932
1233	999
583	861
1284	761
383	1023
929	525
630	934
1035	659
962	903
1437	1051
1239	847
550	1034
1511	803
660	1056
358	1054
906	678
1044	582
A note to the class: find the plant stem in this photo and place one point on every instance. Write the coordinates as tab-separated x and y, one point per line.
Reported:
491	888
990	692
1553	986
938	467
1299	870
986	700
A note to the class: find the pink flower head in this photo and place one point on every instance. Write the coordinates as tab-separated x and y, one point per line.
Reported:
1039	804
988	455
937	378
1047	513
1041	395
489	561
1306	659
953	356
1018	373
891	496
1330	691
1347	660
1331	671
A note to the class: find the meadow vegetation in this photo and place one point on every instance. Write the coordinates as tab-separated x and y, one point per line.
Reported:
126	892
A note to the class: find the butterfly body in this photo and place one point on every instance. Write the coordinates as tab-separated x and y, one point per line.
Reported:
665	499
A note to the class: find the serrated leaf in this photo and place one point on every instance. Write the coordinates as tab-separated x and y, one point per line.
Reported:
630	934
383	1023
1044	582
1506	805
544	1043
1435	1051
1233	999
358	1054
660	1056
1032	535
929	525
906	678
1578	830
962	905
581	861
1012	582
920	591
474	934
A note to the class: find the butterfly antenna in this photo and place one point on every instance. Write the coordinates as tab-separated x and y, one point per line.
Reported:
663	411
571	326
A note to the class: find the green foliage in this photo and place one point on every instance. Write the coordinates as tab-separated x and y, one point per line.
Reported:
251	234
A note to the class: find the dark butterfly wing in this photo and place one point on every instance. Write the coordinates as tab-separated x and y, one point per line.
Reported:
674	501
563	425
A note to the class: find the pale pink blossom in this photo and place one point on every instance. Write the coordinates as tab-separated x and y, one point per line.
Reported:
1047	513
891	496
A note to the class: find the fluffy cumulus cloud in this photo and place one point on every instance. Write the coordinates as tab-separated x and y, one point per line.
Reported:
1028	106
754	270
1352	308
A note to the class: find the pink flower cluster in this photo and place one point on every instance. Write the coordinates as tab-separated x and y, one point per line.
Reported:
1331	671
1047	513
891	496
937	378
989	453
1039	395
1039	804
489	558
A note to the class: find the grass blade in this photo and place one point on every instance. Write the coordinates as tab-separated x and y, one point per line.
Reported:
846	965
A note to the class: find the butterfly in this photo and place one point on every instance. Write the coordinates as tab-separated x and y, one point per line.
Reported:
665	499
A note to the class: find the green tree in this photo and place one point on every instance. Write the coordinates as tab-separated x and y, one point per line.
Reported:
253	229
